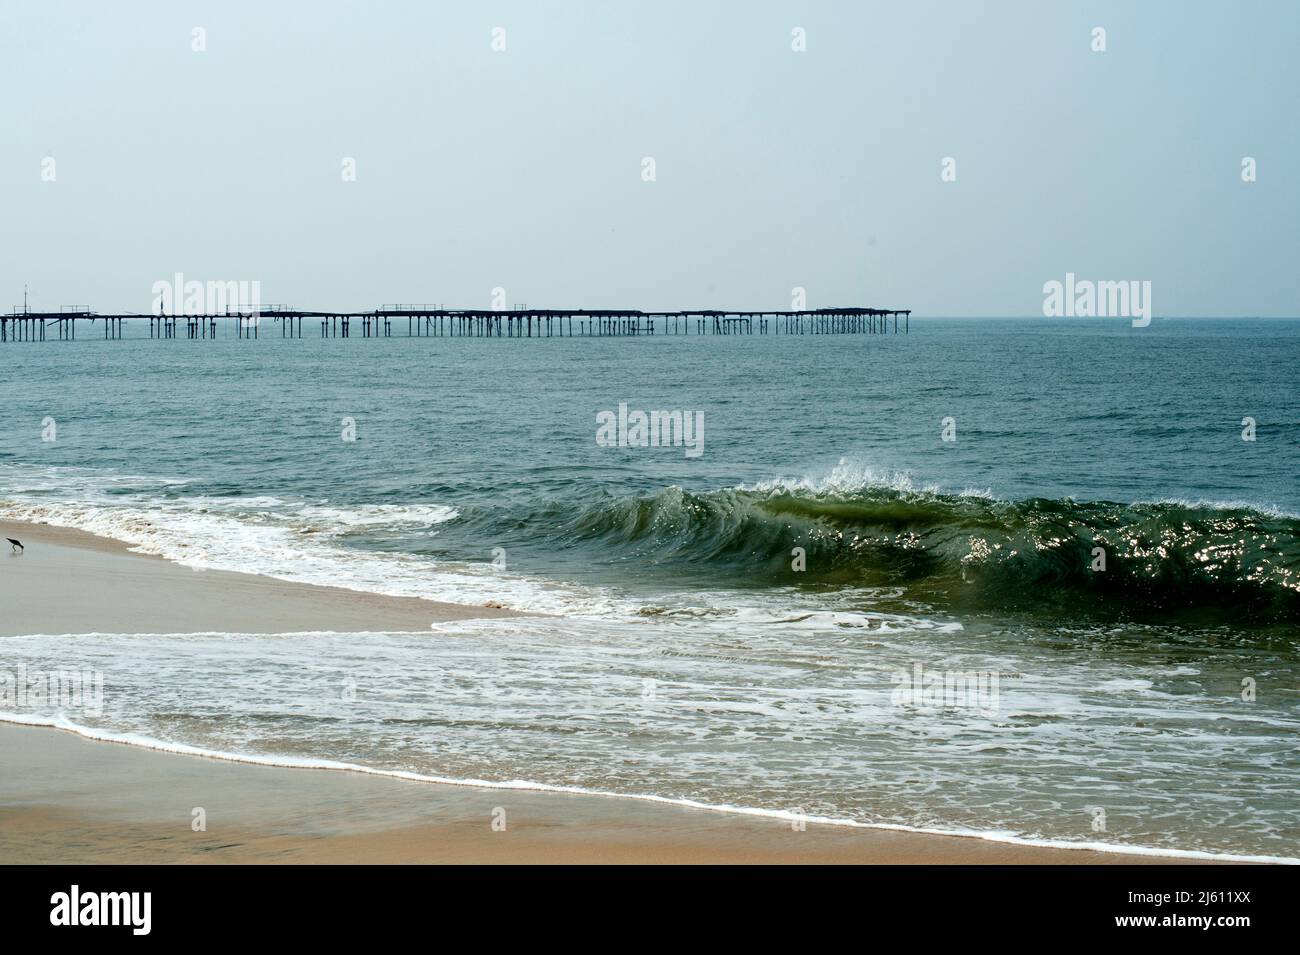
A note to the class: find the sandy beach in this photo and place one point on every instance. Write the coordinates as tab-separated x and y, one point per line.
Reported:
64	798
68	581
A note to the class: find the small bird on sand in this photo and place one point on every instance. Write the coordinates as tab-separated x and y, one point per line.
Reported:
17	545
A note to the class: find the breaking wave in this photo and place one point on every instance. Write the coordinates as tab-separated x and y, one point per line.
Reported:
965	551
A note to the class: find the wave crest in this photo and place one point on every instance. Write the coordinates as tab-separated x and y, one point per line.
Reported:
963	551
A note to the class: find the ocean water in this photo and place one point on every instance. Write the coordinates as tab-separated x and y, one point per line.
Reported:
694	654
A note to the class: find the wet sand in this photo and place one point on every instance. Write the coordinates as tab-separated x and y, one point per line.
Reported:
70	800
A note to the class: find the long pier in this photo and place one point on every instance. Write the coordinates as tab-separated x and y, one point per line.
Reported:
24	324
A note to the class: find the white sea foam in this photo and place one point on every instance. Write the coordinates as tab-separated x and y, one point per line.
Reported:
785	815
846	477
743	714
1262	508
289	540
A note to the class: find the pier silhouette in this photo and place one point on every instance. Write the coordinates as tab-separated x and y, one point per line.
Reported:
25	324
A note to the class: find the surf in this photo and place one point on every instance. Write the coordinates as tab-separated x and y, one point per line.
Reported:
1097	560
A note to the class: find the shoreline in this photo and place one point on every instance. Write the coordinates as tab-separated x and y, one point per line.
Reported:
113	589
145	802
66	787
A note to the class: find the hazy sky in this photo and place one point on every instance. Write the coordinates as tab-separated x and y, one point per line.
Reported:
774	168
